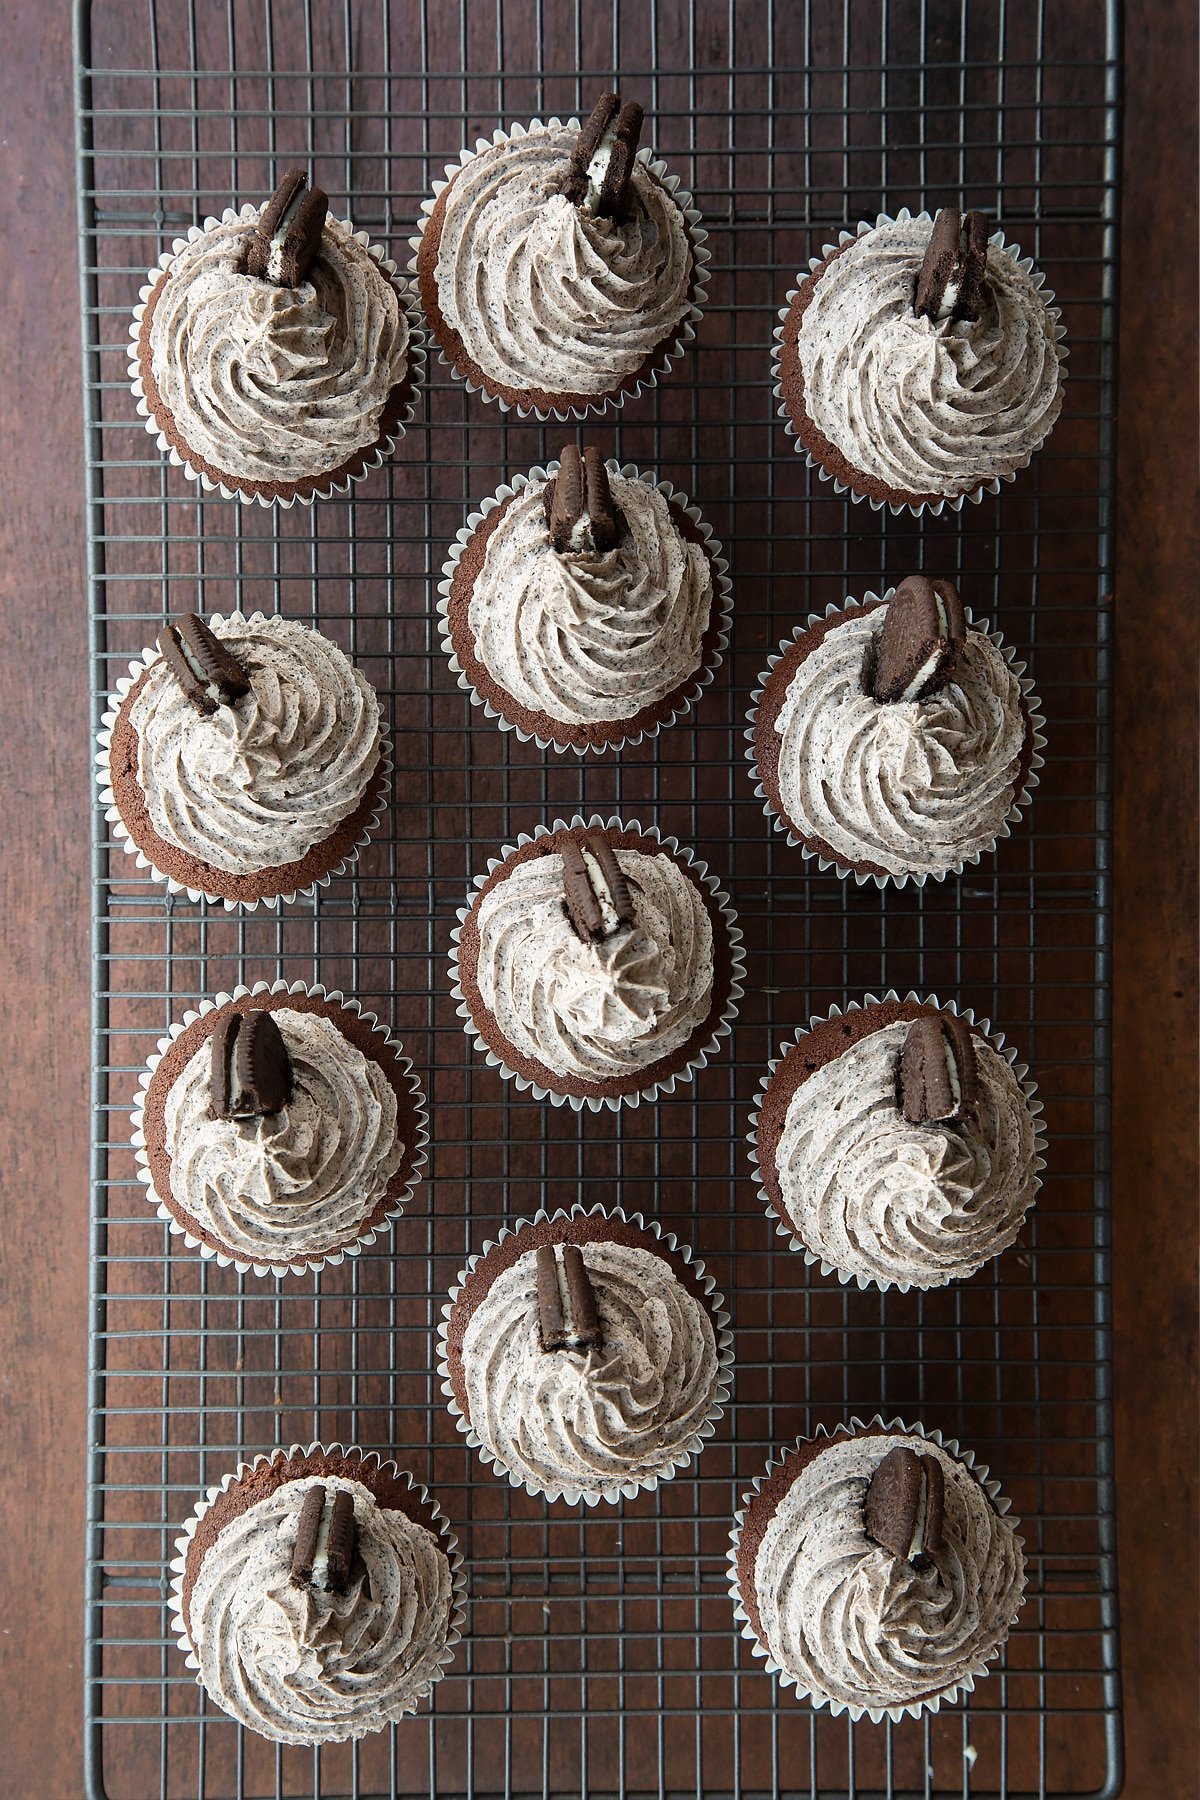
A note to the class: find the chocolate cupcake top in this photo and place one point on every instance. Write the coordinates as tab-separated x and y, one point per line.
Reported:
255	782
298	1180
927	405
912	786
881	1197
550	295
305	1656
596	1002
622	1402
274	383
585	634
855	1623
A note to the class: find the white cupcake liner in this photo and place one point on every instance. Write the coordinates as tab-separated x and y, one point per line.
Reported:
876	1714
952	501
784	1226
684	332
417	360
370	1460
308	1265
1021	799
722	602
725	1360
723	1027
120	830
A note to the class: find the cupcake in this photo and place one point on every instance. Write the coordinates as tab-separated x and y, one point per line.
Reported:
318	1594
895	739
876	1571
898	1144
585	606
243	760
919	364
586	1355
597	963
279	1128
273	354
561	268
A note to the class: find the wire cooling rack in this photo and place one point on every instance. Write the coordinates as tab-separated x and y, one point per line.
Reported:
601	1657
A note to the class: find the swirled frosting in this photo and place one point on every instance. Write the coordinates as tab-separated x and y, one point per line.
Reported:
271	383
546	295
849	1621
595	1010
591	636
914	786
299	1182
927	406
303	1666
881	1198
259	782
591	1419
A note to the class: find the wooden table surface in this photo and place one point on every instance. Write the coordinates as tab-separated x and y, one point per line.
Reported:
45	780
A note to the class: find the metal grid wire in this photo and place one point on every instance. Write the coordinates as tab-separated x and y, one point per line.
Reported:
600	1657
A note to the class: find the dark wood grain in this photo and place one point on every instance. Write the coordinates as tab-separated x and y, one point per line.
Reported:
44	775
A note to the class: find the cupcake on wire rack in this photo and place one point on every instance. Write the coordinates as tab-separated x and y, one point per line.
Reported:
276	353
920	362
560	267
585	605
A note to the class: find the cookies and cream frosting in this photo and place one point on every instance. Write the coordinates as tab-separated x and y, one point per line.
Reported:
913	786
878	1197
302	1665
591	1419
854	1624
547	295
257	783
595	1011
927	406
295	1183
587	636
276	384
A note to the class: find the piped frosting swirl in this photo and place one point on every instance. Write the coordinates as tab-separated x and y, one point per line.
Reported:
587	637
927	406
545	295
592	1420
880	1198
853	1624
301	1665
257	783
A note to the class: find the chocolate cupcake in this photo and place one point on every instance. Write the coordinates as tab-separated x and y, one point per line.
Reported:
894	739
276	353
279	1128
898	1144
877	1571
597	963
561	268
243	760
920	364
318	1594
585	1356
585	606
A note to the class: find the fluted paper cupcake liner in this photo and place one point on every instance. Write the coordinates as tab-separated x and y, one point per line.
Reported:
307	1265
722	603
120	830
952	501
372	456
786	1228
371	1461
1033	707
684	332
723	1027
725	1360
914	1709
